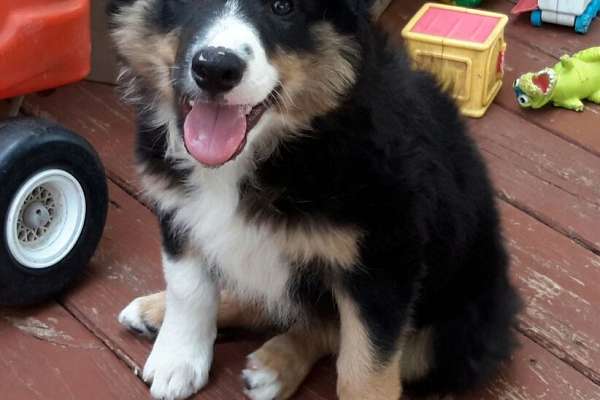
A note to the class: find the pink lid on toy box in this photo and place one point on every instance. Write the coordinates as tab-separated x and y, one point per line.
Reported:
456	24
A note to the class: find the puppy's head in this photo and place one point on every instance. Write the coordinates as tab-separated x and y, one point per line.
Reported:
223	73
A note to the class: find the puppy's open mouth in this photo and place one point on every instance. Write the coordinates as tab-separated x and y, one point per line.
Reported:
216	133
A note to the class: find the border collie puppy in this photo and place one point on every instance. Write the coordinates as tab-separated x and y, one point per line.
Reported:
305	177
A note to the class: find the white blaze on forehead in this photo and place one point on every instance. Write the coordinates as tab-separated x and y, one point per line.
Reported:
230	30
233	32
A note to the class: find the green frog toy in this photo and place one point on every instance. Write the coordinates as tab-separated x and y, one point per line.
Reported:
571	80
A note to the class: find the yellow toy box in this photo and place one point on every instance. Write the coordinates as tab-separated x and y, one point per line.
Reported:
464	48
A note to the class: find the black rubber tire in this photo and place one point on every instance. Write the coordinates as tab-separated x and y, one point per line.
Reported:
27	146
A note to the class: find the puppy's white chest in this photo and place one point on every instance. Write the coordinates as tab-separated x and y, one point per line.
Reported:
246	254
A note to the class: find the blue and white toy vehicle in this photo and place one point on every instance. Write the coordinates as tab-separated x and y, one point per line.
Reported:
576	13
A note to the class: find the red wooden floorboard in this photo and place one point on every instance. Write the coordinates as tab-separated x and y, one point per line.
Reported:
559	281
545	165
542	173
46	354
533	375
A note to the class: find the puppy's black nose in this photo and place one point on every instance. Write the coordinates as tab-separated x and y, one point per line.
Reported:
217	69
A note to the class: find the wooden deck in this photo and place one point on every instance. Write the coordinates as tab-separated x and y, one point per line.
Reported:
546	168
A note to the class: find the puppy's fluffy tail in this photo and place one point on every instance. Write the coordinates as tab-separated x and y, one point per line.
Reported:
467	350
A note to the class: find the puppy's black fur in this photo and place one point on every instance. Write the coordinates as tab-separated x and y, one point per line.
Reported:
393	159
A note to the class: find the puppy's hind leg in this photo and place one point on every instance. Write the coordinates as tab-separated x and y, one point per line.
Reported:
362	375
277	369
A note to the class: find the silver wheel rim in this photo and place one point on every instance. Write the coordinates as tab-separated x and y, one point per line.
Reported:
45	219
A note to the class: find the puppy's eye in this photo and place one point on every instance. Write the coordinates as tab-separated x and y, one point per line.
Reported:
282	7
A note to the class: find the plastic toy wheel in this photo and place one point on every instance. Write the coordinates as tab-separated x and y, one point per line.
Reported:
582	23
536	18
53	206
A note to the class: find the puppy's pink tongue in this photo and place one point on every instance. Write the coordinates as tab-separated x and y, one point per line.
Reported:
214	133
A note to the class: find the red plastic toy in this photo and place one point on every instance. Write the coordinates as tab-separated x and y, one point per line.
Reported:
43	44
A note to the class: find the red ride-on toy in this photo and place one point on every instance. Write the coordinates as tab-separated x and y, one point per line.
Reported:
53	192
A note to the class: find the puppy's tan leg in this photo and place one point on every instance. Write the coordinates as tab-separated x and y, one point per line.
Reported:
145	314
277	369
360	375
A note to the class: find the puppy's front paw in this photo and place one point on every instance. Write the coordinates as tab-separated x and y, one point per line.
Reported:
176	372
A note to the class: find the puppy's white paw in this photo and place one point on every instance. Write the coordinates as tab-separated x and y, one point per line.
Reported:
261	383
131	317
175	371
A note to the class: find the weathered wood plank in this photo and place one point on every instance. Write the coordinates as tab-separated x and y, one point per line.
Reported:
562	210
552	179
535	374
558	280
46	354
530	147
